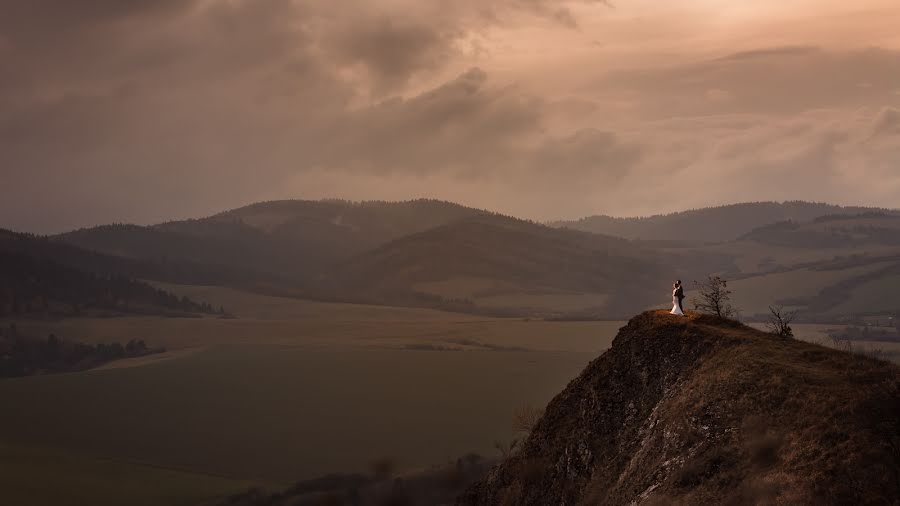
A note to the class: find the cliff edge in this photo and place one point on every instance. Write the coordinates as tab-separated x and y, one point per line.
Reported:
698	410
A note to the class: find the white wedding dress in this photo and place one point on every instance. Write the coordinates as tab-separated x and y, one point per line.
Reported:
676	309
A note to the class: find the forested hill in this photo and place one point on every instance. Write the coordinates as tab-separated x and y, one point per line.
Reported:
284	241
38	278
712	224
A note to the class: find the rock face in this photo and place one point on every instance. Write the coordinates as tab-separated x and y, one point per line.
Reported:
697	410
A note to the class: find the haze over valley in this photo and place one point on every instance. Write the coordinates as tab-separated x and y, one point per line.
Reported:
469	252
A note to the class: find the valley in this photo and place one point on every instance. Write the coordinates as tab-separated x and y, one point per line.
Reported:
409	341
288	390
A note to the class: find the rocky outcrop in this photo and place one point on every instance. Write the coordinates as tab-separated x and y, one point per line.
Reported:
703	411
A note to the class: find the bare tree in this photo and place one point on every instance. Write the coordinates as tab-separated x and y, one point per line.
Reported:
715	297
506	449
780	321
526	417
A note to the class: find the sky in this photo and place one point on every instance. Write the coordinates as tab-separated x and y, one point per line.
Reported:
143	111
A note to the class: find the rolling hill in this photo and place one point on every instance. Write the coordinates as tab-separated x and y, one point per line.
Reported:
713	224
283	240
703	411
489	256
832	231
442	255
41	277
832	267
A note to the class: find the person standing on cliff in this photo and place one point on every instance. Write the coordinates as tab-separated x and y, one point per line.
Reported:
677	296
679	292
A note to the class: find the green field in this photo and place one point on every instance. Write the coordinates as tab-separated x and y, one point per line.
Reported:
288	390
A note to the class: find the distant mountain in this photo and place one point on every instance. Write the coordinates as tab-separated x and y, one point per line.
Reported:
502	255
40	277
442	255
287	240
832	231
712	224
705	411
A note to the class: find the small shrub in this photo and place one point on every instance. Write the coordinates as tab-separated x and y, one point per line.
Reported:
780	322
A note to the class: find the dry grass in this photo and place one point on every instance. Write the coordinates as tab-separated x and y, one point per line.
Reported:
701	410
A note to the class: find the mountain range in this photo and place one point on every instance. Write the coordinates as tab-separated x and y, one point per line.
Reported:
712	224
443	255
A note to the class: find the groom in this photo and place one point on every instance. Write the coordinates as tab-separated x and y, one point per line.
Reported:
679	292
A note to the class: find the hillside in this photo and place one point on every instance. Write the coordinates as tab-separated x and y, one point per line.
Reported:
442	255
41	277
832	231
280	242
491	257
700	411
712	224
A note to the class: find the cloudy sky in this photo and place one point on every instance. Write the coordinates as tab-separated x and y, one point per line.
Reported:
149	110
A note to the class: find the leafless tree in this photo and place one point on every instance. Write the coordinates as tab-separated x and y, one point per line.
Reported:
506	449
715	297
780	321
526	417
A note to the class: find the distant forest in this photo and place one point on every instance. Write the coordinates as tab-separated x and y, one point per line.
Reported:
31	285
24	355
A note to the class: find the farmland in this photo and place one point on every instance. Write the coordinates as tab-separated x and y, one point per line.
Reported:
287	390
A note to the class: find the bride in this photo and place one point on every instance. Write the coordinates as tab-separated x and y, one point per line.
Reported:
676	304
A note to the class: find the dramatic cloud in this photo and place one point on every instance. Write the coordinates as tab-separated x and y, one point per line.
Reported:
150	110
777	81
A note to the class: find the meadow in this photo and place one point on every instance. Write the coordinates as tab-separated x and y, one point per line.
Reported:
286	390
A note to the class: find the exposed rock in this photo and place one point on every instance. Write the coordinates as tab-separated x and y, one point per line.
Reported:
703	411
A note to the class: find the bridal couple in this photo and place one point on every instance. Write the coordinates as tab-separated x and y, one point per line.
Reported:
677	298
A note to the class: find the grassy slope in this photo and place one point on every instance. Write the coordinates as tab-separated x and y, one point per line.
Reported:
521	256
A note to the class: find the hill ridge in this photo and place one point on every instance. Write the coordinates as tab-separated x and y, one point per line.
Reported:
712	224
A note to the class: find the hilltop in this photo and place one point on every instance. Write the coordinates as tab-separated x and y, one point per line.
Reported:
711	224
286	239
704	411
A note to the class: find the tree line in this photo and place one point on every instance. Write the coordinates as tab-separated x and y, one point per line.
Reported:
33	285
22	355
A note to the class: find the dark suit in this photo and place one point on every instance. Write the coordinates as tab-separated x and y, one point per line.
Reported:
679	293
